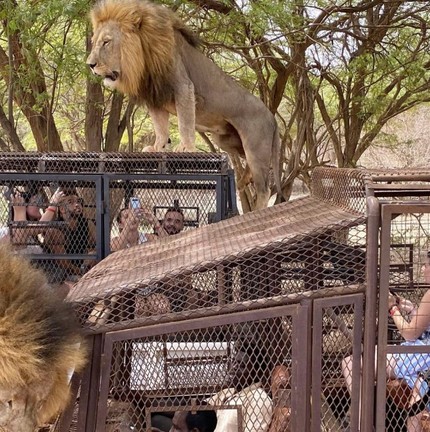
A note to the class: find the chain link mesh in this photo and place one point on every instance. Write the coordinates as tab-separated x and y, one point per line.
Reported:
280	288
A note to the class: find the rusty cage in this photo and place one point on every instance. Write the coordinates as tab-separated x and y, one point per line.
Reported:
251	320
249	317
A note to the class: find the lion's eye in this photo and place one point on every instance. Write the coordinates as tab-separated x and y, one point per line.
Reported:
106	42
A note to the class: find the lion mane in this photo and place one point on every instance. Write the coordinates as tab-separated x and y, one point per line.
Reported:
38	346
148	76
144	50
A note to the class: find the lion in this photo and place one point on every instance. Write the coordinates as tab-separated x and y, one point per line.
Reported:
40	346
144	50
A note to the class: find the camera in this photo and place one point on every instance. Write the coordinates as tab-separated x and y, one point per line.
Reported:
135	203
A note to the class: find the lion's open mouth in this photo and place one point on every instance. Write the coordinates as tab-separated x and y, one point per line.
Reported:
112	76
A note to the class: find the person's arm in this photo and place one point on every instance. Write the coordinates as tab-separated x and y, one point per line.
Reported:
19	235
154	222
51	211
419	317
123	239
160	231
54	240
20	214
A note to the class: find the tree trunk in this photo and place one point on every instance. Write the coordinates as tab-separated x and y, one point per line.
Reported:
93	112
31	97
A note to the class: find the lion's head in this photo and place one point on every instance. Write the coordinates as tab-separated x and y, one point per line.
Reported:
133	48
38	345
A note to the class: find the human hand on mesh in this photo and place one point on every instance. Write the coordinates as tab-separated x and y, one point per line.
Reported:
149	217
401	303
16	199
56	198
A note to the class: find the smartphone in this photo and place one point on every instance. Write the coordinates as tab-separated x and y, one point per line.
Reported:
135	203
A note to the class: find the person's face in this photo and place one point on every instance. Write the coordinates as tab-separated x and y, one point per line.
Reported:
72	205
128	218
178	422
173	222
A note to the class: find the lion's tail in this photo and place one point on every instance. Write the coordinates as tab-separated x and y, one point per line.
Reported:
277	160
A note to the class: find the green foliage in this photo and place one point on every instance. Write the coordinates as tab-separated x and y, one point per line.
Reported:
335	72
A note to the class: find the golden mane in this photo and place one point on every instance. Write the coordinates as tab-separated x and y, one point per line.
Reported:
148	56
39	336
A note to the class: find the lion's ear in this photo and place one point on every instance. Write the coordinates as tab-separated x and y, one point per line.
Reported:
136	20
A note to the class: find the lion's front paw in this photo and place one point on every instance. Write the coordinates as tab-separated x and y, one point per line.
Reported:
149	149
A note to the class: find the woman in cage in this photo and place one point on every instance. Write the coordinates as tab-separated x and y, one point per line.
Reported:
413	324
27	206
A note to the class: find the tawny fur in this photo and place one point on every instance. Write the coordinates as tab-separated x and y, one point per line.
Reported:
144	50
147	77
38	346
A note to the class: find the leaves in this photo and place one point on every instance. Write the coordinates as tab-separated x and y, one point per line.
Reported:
333	72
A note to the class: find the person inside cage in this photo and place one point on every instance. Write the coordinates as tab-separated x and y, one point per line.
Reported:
413	323
248	375
130	218
173	223
27	206
128	221
76	237
197	421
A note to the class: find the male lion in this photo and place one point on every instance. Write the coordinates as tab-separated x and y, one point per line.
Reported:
145	51
38	346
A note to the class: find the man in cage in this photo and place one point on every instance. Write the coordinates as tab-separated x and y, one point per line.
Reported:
129	220
249	375
173	223
76	237
413	324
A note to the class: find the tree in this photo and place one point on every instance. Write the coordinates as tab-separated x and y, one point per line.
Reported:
334	73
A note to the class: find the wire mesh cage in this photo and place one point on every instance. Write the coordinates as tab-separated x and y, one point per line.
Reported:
404	382
107	202
175	315
278	294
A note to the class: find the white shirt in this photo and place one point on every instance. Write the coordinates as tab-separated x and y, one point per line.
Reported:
256	409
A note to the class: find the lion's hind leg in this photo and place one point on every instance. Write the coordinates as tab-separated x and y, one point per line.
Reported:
245	178
262	191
